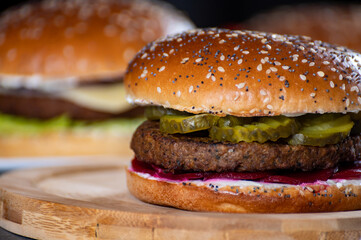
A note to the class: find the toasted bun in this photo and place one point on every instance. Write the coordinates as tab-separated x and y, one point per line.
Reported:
65	144
79	40
258	198
338	23
245	73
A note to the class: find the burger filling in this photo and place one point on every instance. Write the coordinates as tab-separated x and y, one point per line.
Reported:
89	105
313	144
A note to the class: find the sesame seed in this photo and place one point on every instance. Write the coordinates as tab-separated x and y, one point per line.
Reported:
313	94
213	78
312	64
171	51
263	92
303	77
343	87
282	78
209	75
268	71
240	85
354	88
162	68
259	67
347	102
359	100
190	89
236	48
178	94
340	77
304	60
268	46
184	60
222	41
320	73
245	52
144	73
179	39
277	63
222	57
240	61
159	89
264	40
221	69
270	107
273	69
198	60
285	67
144	55
332	84
264	52
326	62
266	100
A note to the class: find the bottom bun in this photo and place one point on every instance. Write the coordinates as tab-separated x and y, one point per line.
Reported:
246	196
65	144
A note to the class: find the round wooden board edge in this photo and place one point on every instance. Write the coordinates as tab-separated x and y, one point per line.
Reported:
21	220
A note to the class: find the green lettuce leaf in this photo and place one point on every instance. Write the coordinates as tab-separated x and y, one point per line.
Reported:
15	125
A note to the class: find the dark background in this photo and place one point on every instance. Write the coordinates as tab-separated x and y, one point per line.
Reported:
212	13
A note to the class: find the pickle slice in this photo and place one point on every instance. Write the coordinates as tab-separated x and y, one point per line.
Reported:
186	124
232	121
265	129
156	112
320	130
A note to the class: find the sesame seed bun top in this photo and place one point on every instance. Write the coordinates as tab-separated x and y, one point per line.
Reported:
79	40
244	73
333	23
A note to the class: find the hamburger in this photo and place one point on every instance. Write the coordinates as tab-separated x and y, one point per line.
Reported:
61	73
333	23
246	121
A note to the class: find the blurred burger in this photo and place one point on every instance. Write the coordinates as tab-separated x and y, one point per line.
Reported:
242	121
61	73
334	23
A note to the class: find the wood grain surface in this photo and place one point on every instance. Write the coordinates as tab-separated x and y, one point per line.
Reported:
92	202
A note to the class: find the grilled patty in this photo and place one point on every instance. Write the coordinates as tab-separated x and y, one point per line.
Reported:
36	105
194	153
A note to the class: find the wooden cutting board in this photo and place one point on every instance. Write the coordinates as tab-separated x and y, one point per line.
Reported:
92	202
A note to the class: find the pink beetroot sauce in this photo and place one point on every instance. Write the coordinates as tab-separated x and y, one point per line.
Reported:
342	172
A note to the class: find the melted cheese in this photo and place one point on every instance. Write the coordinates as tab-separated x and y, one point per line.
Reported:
105	98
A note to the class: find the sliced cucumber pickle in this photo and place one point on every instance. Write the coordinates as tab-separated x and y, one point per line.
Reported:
156	112
187	124
265	129
320	130
232	121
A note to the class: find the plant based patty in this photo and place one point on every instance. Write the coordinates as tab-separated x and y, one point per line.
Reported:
36	105
189	153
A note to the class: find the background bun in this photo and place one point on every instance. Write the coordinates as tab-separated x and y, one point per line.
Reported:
245	73
66	144
334	23
80	40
